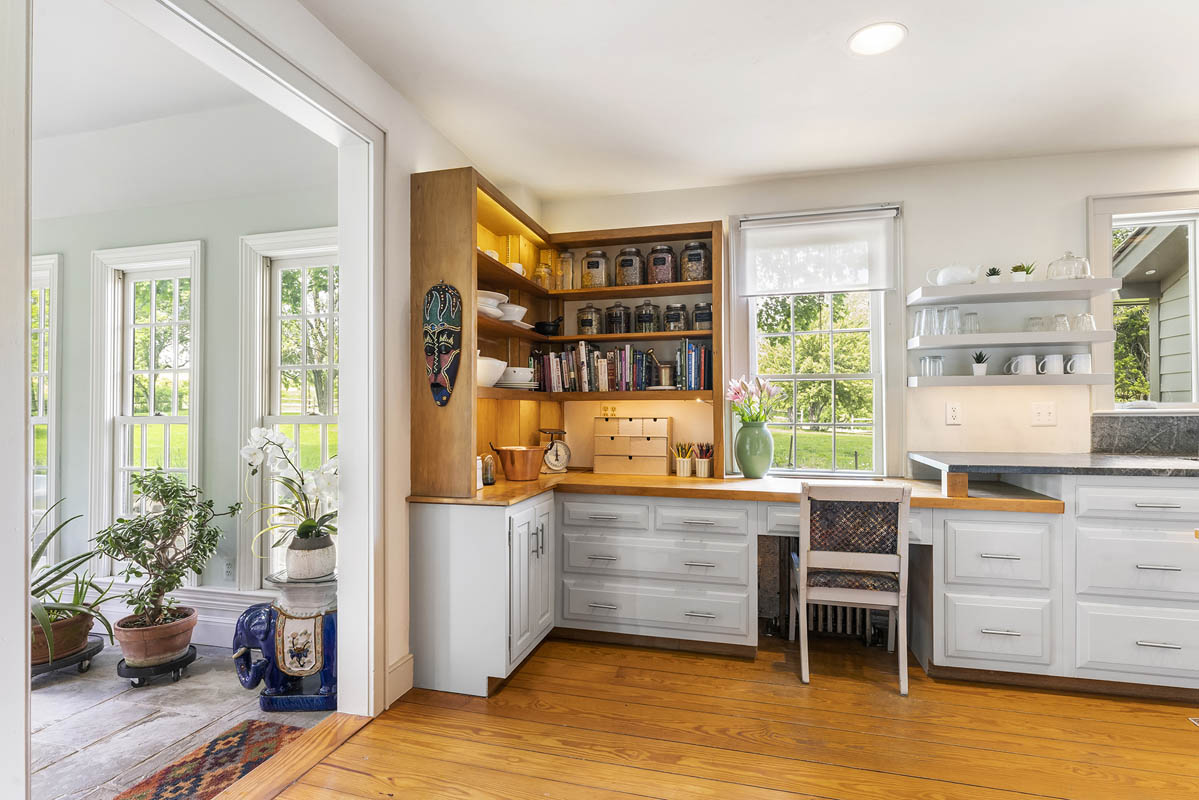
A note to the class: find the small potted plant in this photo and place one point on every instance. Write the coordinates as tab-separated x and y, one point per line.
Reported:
172	535
682	458
994	274
754	402
980	363
1023	272
305	517
703	459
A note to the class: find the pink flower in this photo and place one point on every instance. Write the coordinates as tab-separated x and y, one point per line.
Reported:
736	392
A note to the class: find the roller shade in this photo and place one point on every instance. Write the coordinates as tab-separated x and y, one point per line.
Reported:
849	251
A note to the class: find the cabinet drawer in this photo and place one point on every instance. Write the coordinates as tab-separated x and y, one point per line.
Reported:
612	445
655	426
628	426
723	562
585	514
997	553
632	465
1138	563
718	612
998	628
649	446
1140	502
1159	641
701	519
783	520
607	426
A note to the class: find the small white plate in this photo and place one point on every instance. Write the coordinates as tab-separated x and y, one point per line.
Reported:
492	299
524	325
529	385
488	311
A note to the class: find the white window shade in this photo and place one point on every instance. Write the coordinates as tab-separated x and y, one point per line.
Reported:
841	252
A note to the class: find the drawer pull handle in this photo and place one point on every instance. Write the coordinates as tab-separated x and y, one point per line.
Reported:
602	558
700	521
1160	567
708	564
1160	645
997	632
1158	505
999	556
603	516
604	606
700	614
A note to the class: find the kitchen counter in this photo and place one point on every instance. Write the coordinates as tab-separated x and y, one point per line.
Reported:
984	495
1059	464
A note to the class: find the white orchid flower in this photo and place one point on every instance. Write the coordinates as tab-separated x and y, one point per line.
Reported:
253	456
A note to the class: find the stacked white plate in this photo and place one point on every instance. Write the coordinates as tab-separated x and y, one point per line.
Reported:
529	385
489	304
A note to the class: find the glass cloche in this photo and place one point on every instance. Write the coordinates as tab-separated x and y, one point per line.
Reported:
1069	266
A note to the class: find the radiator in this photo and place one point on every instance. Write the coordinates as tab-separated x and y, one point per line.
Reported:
838	619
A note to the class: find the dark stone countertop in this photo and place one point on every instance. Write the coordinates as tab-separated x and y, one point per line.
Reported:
1060	463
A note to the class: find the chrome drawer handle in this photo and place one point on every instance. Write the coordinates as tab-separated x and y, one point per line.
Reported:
603	516
699	521
997	632
1160	567
1000	556
1158	505
602	558
605	606
1160	645
699	564
699	614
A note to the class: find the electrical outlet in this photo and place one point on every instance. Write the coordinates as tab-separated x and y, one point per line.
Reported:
1044	415
953	413
229	575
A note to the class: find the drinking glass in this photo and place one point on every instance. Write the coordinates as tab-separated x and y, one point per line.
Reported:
926	322
1061	322
1084	322
931	365
950	321
1034	324
970	323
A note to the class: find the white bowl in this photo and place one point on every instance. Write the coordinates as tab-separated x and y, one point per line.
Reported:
492	299
517	375
488	370
490	311
517	267
512	312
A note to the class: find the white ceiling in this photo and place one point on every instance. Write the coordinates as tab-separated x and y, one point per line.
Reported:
576	98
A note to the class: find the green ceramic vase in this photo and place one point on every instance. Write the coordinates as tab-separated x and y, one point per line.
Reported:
754	447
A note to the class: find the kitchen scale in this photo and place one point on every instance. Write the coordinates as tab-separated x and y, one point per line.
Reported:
557	454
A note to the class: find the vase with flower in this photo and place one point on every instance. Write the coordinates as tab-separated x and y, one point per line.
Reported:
754	402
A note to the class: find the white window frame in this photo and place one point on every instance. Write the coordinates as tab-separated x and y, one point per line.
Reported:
45	273
110	269
257	359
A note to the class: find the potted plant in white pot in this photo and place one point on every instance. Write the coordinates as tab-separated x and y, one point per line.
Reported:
305	516
172	535
1023	272
980	360
994	275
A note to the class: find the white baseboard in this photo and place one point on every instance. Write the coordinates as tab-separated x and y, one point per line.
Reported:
399	679
218	609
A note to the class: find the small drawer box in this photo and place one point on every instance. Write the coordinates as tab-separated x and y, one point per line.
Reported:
626	426
655	426
632	465
612	445
607	426
649	446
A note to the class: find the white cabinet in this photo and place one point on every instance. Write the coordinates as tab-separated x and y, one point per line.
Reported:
544	575
531	578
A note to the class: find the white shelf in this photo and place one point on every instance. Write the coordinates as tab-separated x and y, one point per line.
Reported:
1027	292
1014	339
918	381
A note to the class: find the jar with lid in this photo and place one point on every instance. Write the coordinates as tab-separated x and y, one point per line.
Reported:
661	266
566	270
595	270
647	317
590	320
695	262
618	318
543	276
675	318
630	267
701	316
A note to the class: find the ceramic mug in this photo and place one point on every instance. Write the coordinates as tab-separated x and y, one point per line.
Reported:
1079	364
1053	364
1021	365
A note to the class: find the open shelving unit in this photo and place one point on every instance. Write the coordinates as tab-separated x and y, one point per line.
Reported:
1026	292
1015	339
633	336
1089	379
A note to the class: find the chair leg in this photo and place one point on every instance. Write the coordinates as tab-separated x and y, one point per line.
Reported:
793	615
890	631
803	637
903	648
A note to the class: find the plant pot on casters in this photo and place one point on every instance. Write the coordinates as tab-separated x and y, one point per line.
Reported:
153	645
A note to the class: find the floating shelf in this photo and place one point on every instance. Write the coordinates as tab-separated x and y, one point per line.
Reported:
644	290
498	393
634	337
494	273
499	328
1027	292
1015	339
918	381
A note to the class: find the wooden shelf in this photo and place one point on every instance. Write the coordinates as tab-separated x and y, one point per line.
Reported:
1027	292
918	381
645	290
498	393
1015	339
634	337
495	273
575	240
486	324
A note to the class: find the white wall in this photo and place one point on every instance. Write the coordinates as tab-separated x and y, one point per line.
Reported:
990	212
218	223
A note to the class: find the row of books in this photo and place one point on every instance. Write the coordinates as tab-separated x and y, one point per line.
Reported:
584	368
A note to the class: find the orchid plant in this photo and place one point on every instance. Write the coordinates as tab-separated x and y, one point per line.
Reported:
754	400
311	511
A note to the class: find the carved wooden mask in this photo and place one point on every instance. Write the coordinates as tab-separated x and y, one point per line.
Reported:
442	319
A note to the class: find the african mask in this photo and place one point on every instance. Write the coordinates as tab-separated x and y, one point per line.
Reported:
442	319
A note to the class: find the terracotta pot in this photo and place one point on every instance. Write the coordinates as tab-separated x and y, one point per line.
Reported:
311	558
158	644
70	636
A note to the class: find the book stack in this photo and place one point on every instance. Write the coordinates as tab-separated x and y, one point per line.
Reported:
584	368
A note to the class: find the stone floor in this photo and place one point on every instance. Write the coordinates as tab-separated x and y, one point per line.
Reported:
94	735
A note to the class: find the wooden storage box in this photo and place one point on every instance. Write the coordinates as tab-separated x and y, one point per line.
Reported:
632	445
633	465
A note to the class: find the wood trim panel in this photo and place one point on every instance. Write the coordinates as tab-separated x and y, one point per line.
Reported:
638	235
493	191
657	642
719	273
1062	683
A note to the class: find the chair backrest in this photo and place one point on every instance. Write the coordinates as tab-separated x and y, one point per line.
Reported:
855	526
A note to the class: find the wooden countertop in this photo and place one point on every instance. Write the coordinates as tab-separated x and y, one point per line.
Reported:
984	495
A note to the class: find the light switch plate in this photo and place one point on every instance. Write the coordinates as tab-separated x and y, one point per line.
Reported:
1044	415
953	413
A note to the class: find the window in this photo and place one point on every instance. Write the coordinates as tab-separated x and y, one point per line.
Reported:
43	387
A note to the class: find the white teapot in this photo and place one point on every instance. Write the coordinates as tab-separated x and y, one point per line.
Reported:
953	274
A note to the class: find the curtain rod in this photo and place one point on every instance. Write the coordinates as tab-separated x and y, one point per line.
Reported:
818	212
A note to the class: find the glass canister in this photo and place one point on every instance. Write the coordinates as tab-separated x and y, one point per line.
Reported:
595	270
630	267
647	317
695	262
618	318
544	276
590	320
701	316
675	318
566	270
661	266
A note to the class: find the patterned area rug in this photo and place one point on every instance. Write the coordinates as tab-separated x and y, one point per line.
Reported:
206	771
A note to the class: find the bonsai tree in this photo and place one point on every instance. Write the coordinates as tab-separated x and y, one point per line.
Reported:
173	536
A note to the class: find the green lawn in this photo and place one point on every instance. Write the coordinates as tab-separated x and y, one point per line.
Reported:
814	450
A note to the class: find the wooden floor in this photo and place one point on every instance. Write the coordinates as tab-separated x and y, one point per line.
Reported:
581	721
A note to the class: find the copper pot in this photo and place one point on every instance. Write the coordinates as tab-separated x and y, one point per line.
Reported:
521	463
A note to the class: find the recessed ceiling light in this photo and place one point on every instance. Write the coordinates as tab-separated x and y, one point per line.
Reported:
877	38
1150	271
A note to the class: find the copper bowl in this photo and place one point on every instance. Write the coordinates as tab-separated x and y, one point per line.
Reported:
520	463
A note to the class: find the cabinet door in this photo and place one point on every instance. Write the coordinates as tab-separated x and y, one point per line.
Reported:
542	584
522	555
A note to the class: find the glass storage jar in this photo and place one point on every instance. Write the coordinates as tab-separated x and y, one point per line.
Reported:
618	318
595	270
675	318
590	320
695	262
566	270
1069	267
701	316
543	276
661	266
647	317
630	267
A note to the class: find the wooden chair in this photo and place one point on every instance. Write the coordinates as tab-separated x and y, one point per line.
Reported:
853	552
